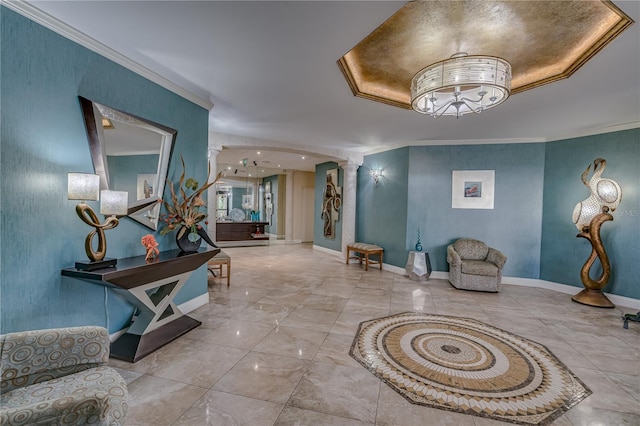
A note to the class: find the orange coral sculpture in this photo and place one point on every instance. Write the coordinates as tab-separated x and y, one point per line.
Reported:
150	243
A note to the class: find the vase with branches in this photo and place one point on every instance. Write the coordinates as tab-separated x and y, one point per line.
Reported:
186	211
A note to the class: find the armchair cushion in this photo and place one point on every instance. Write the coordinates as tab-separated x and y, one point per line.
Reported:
479	267
58	377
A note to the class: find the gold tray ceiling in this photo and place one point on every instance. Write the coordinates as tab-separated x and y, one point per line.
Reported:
544	41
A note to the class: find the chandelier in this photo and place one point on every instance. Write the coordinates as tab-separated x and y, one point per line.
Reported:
461	85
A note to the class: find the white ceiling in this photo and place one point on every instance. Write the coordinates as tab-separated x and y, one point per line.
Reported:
268	162
269	67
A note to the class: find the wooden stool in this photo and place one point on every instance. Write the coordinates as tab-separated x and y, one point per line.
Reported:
216	263
364	250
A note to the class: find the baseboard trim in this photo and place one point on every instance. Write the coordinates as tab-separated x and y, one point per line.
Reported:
193	304
626	302
114	336
327	251
393	269
439	275
243	243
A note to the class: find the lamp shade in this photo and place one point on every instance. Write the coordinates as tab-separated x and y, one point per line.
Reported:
83	186
114	202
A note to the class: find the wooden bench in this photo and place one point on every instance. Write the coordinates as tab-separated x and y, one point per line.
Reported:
216	263
363	251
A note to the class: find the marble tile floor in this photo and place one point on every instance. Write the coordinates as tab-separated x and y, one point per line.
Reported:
273	348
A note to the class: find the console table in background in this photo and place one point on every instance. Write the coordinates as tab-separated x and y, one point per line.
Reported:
230	234
150	287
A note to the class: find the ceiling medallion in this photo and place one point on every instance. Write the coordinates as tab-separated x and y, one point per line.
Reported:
461	85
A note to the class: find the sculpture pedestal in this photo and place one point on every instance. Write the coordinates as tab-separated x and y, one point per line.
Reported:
418	266
592	293
592	297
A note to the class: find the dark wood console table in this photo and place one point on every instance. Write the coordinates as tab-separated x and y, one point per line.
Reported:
241	231
151	287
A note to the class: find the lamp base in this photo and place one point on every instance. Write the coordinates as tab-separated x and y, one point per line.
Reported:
87	265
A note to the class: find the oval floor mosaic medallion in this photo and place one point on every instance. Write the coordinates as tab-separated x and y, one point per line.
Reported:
464	365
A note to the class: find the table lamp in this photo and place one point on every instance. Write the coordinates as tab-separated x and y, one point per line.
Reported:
85	187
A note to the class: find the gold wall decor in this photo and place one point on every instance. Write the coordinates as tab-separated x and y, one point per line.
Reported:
331	202
589	215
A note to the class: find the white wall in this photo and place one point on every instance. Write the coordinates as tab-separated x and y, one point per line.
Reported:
303	206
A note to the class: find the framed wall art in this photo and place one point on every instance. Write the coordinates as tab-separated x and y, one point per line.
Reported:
145	186
472	189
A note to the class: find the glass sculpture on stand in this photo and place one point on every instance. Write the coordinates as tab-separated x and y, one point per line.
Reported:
588	216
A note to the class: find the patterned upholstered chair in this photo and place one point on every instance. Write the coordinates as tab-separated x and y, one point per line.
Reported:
59	377
475	266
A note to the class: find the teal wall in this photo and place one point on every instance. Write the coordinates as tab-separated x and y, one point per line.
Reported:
42	139
536	187
236	197
381	210
512	226
124	171
318	230
562	254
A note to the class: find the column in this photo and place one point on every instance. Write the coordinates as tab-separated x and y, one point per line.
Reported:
212	156
288	215
349	188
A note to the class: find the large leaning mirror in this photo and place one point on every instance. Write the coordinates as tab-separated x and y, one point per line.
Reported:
130	154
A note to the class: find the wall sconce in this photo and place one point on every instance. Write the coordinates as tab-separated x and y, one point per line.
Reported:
376	174
86	187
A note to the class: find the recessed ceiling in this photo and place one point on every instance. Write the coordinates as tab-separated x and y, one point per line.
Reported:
267	162
544	41
269	67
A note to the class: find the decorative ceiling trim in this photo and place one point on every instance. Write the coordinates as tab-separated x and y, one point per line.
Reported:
381	65
348	72
554	138
595	131
36	15
623	23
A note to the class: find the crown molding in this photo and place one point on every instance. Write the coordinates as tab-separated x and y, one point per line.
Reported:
36	15
453	142
596	131
576	134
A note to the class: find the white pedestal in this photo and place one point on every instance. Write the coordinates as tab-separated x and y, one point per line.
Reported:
418	266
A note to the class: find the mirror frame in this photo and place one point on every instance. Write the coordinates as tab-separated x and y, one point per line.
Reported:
147	210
